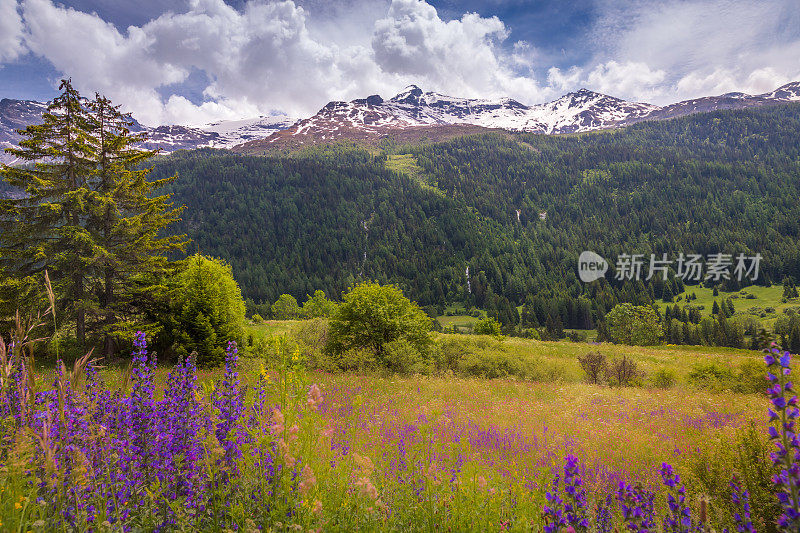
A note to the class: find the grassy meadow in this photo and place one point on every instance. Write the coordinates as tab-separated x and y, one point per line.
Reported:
383	452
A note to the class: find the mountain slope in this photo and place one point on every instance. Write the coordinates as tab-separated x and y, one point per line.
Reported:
722	182
17	114
368	120
411	115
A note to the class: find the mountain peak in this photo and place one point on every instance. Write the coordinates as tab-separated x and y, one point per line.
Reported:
411	95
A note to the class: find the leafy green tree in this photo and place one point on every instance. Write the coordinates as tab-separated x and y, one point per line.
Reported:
635	325
285	307
371	316
488	326
206	311
318	306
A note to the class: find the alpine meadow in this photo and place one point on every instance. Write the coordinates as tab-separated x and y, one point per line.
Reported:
241	291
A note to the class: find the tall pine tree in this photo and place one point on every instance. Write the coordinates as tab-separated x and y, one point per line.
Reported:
126	222
46	229
89	215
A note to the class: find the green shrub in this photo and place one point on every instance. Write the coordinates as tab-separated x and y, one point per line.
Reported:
531	333
356	360
490	364
577	336
713	377
663	379
487	326
371	317
750	378
257	319
403	357
312	335
205	312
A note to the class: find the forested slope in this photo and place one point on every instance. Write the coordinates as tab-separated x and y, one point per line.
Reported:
715	182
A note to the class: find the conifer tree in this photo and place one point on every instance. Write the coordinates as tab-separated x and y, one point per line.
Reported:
46	229
88	216
126	220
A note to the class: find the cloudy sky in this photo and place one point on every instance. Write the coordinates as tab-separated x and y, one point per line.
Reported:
195	61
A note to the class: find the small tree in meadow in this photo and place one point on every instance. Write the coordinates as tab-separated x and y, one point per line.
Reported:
205	312
622	371
371	316
488	326
595	365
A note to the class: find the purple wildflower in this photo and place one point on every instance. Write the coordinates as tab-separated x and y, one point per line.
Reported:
787	457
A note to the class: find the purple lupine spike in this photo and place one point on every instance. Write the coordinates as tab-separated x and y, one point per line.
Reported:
741	499
229	401
680	519
637	507
603	516
783	418
575	505
553	511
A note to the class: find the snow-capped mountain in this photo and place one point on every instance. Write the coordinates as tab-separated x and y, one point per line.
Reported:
17	114
410	115
573	112
373	118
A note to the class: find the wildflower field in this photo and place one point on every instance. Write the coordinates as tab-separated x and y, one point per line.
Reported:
255	447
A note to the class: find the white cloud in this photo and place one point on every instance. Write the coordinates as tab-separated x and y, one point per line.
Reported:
701	46
11	29
461	56
260	59
273	54
625	80
563	80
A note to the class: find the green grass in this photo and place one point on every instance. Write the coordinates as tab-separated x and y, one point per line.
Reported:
462	323
559	360
765	297
407	165
271	327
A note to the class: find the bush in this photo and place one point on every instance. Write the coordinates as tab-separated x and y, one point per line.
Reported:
312	335
623	372
373	316
285	308
531	333
595	365
663	379
491	364
257	319
403	357
750	378
205	312
577	336
712	377
487	326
